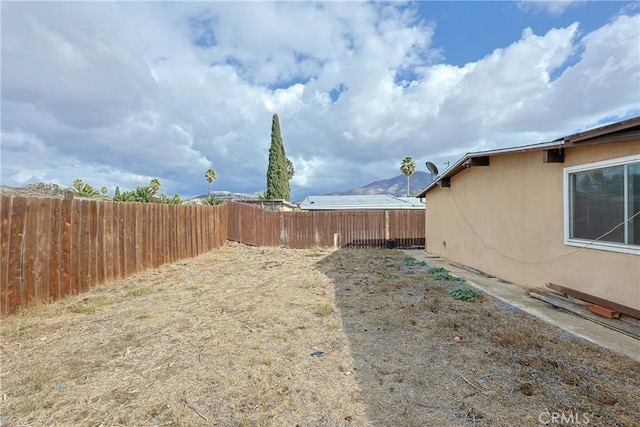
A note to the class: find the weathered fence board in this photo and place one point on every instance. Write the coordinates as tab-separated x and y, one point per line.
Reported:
55	258
255	226
52	247
16	254
5	232
43	250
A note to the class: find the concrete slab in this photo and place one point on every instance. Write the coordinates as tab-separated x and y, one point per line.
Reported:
517	296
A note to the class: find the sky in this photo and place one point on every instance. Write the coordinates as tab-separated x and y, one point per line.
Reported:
117	93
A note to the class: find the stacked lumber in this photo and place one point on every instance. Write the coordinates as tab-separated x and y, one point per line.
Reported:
602	315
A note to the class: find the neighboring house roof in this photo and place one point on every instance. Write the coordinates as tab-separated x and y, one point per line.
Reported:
270	203
625	130
360	202
225	195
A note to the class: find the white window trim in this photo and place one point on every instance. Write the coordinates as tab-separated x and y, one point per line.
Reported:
583	243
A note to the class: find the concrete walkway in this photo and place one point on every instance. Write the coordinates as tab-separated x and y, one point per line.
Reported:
518	297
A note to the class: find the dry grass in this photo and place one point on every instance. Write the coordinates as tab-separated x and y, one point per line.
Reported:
226	339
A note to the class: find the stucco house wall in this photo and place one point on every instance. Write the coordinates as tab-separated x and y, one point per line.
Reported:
507	219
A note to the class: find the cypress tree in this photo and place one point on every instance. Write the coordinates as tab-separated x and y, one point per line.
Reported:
278	171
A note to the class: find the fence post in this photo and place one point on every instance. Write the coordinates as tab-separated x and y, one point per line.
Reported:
386	225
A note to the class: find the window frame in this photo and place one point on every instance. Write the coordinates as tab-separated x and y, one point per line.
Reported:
567	194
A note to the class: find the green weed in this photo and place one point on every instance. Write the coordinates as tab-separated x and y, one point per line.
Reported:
411	262
442	274
464	294
325	310
90	305
136	292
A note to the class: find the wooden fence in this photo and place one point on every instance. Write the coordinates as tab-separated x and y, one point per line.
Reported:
254	226
51	248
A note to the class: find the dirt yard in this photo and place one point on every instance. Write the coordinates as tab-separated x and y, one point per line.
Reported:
227	339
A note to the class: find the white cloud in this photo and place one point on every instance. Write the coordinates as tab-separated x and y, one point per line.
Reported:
552	7
116	93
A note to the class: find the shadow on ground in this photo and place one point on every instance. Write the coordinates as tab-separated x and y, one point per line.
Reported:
399	359
508	368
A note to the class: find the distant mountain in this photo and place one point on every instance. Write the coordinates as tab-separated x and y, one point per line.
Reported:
396	186
226	195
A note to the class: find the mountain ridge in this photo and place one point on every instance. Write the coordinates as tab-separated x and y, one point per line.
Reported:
396	186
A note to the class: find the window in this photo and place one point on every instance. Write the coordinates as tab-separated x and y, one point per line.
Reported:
602	205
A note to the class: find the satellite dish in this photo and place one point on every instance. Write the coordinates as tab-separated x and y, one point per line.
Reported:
432	168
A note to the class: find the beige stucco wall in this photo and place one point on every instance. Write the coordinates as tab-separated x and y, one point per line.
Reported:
506	219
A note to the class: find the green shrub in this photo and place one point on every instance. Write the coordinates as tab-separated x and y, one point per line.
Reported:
464	294
442	274
411	261
212	201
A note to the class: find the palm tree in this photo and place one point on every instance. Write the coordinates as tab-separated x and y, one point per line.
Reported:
78	184
155	185
210	175
144	194
408	167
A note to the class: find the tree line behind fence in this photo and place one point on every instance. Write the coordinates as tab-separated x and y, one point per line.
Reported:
51	248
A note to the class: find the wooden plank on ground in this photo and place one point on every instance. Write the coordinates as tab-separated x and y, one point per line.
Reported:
558	301
595	300
603	311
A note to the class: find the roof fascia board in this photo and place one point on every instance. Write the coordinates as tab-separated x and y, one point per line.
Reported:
603	130
599	135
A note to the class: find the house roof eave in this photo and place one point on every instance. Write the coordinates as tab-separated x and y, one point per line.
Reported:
621	131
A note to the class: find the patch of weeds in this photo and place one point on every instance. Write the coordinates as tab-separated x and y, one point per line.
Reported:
388	276
464	294
411	262
144	315
136	292
324	310
521	341
24	318
442	274
90	305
